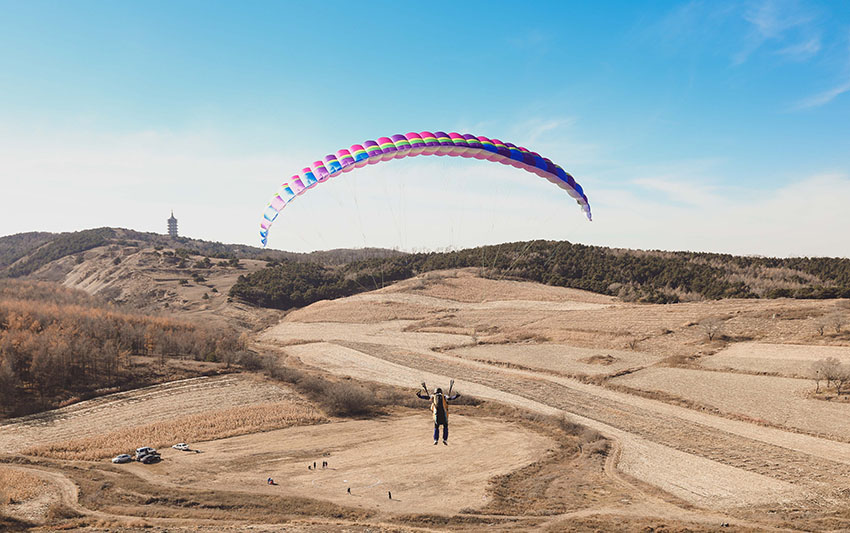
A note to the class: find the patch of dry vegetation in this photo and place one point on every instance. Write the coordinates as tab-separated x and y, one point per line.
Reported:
56	343
17	486
605	360
192	428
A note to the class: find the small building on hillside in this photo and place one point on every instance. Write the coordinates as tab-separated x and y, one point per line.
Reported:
172	226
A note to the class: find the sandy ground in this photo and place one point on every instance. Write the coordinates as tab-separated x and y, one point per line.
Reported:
778	400
693	478
371	457
132	408
791	360
561	358
708	460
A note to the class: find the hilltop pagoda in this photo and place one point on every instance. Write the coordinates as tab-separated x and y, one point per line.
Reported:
172	226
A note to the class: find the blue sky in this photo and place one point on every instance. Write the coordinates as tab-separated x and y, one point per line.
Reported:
691	125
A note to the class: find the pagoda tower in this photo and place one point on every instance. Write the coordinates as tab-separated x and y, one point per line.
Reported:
172	225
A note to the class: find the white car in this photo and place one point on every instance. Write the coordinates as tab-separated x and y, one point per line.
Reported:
182	446
123	458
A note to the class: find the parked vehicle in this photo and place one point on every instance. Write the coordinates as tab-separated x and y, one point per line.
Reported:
182	446
123	458
148	459
143	451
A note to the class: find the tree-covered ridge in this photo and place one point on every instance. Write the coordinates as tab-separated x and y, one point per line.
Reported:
646	276
24	253
62	245
15	247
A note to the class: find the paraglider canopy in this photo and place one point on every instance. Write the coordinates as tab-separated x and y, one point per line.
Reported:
411	145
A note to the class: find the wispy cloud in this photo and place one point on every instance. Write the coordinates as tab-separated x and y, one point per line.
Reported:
823	97
797	219
682	192
803	50
531	40
779	21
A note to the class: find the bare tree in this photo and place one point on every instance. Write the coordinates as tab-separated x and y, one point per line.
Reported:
820	325
831	370
712	326
842	377
837	321
818	372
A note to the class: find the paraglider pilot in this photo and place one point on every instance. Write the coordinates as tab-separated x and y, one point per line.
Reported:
440	409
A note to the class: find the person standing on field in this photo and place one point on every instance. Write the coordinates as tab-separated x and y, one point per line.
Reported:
440	410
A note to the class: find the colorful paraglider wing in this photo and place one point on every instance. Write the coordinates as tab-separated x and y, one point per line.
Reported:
413	144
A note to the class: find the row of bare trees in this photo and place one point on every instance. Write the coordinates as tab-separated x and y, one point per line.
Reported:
835	320
833	372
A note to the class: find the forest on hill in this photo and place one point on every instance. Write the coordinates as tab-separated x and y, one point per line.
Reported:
59	344
24	253
633	275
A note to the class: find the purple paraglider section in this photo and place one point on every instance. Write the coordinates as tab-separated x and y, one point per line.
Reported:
413	144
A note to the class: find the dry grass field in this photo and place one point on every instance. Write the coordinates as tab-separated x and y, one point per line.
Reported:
790	360
694	437
558	358
134	408
212	424
18	486
779	401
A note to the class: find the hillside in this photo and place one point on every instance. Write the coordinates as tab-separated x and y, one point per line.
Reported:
154	273
59	344
631	275
24	253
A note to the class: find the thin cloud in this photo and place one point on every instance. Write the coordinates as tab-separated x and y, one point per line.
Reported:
681	192
772	20
798	219
803	50
824	97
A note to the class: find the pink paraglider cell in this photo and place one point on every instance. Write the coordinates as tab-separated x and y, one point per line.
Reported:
416	143
333	165
374	151
431	144
345	159
296	185
461	147
361	157
277	203
446	146
388	148
308	178
402	145
320	171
